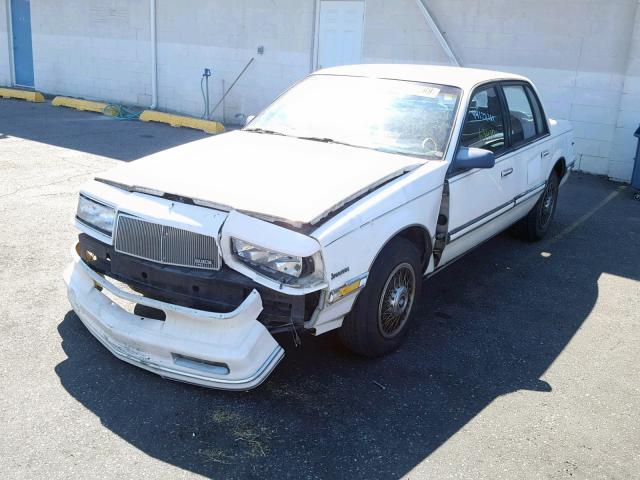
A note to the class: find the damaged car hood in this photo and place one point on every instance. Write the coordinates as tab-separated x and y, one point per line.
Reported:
276	177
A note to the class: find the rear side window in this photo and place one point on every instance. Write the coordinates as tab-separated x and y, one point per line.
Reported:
523	121
541	123
484	123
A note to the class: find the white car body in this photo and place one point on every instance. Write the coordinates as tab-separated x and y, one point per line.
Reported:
342	204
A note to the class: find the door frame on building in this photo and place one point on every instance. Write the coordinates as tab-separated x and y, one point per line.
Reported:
11	44
315	49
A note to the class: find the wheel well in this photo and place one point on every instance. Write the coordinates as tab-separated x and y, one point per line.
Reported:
416	234
560	168
419	236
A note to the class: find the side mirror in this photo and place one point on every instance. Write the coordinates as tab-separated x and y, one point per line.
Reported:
249	119
468	158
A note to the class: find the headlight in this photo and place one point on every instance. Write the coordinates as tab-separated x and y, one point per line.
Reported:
96	215
285	268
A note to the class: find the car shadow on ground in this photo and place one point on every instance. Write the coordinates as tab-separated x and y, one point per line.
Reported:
487	326
90	132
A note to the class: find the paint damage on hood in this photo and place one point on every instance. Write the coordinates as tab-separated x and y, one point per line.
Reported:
277	178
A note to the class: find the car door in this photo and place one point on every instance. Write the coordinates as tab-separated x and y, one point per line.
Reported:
480	199
528	129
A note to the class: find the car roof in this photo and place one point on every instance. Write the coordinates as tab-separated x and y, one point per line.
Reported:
465	78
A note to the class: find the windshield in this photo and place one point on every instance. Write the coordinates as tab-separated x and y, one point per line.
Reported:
394	116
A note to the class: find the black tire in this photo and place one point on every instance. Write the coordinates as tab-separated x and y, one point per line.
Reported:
372	328
536	224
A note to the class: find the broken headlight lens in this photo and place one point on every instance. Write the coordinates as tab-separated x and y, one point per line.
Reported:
265	259
285	268
96	215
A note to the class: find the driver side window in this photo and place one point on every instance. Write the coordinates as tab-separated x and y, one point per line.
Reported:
484	123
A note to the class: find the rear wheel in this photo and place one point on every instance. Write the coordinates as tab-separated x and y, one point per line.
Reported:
382	313
536	224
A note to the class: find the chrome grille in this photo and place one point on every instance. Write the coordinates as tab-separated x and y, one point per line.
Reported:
164	244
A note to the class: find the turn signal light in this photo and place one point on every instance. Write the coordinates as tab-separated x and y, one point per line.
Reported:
348	288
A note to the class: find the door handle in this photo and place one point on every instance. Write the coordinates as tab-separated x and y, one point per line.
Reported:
545	154
507	172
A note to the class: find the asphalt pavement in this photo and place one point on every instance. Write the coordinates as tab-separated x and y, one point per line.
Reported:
524	360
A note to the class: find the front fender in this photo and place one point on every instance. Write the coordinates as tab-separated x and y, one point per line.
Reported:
352	255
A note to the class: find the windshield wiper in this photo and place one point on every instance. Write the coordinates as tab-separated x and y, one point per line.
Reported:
262	130
313	139
326	140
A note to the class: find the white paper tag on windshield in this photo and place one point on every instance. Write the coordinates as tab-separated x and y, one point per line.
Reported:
430	92
422	91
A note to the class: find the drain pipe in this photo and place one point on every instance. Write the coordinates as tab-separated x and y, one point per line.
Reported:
12	69
438	34
154	56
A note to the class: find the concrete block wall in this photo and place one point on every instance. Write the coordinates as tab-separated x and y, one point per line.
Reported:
624	149
576	52
5	64
92	49
396	32
583	56
224	36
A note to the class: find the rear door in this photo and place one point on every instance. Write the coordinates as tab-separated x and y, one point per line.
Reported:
528	129
478	198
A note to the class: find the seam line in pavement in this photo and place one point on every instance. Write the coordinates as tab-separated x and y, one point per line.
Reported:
587	215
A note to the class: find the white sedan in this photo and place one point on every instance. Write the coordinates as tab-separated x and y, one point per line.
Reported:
325	212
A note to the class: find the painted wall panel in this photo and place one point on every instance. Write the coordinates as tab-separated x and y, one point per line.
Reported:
92	49
224	36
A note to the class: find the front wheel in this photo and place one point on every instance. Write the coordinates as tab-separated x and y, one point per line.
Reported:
381	315
536	224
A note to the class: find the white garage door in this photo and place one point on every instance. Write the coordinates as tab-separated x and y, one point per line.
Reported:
340	33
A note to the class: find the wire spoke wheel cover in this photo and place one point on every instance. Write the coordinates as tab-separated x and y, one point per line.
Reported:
548	205
396	300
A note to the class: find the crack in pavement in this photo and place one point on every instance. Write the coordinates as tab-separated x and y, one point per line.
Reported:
71	177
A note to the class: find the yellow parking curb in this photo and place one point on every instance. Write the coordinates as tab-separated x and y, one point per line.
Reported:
182	121
27	95
84	105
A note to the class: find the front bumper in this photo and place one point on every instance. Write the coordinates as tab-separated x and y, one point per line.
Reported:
220	290
230	351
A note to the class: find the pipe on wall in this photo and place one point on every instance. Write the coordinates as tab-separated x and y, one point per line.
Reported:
12	72
154	55
438	34
315	35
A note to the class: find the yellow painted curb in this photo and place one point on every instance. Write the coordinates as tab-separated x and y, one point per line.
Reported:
182	121
21	94
84	105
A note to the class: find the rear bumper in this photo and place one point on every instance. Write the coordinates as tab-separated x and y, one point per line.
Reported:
567	174
230	351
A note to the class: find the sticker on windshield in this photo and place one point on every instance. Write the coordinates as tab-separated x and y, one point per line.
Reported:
423	91
430	92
